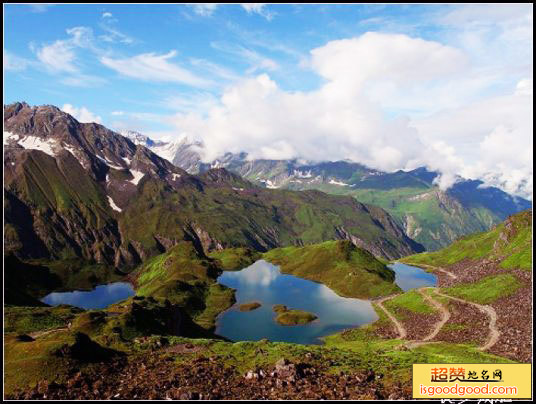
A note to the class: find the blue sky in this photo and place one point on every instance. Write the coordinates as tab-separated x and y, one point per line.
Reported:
278	80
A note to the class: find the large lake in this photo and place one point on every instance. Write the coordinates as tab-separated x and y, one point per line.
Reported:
99	298
263	282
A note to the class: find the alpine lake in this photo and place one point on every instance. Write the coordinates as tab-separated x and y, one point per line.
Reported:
263	282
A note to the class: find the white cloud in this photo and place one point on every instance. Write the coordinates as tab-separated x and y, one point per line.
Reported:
346	117
153	67
58	57
492	138
109	25
205	9
255	60
81	114
258	8
14	63
40	8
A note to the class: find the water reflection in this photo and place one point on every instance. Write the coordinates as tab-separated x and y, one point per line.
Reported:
263	282
408	277
100	297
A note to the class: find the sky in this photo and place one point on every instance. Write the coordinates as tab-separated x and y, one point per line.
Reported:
394	87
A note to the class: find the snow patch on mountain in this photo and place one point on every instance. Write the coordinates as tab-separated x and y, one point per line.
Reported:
37	143
113	205
9	137
167	151
108	163
138	175
269	184
338	183
301	174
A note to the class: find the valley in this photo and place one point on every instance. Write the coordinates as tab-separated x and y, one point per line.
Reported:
431	216
218	286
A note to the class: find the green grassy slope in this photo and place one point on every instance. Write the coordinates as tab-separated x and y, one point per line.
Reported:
348	270
257	218
186	277
510	243
56	210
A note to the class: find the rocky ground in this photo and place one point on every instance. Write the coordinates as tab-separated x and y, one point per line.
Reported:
515	341
514	312
417	325
466	324
156	376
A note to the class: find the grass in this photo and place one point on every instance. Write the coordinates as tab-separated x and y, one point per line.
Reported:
510	242
23	320
279	308
231	259
411	301
348	270
186	277
349	351
487	290
294	317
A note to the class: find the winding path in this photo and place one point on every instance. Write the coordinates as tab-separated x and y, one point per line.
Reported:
494	332
38	334
445	314
399	327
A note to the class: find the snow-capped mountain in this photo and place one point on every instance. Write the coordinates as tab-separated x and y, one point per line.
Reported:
436	217
183	153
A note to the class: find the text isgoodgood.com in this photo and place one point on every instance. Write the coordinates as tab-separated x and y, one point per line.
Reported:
460	391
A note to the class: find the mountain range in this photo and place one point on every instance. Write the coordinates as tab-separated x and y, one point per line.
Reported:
80	190
429	215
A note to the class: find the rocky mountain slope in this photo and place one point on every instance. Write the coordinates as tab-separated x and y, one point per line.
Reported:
494	269
81	190
431	216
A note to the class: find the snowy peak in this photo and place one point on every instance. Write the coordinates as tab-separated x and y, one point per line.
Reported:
138	139
109	158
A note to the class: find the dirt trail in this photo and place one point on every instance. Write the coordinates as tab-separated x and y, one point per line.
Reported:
494	333
445	314
448	273
399	327
38	334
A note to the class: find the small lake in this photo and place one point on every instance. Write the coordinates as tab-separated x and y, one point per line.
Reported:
263	282
408	277
99	298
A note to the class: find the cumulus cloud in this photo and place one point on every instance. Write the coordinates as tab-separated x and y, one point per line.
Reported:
338	120
81	114
493	139
154	67
346	117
